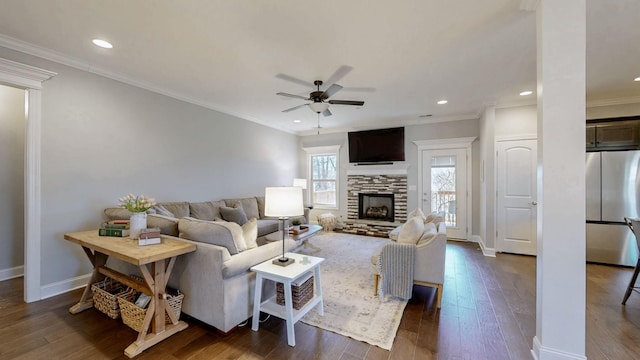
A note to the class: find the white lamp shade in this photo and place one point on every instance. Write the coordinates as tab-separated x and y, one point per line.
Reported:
283	201
301	183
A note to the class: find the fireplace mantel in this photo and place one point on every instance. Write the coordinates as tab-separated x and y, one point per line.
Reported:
393	169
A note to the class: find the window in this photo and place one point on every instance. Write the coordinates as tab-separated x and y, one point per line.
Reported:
323	175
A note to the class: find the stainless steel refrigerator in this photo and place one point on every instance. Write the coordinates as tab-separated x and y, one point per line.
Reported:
613	192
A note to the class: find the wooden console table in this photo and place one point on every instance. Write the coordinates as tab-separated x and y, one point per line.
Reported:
99	248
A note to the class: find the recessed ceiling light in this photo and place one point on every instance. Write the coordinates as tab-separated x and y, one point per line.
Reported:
525	93
297	121
425	115
102	43
442	102
637	79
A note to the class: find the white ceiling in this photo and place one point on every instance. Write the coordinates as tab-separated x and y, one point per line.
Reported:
232	55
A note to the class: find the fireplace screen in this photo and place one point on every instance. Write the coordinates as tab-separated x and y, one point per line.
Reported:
376	207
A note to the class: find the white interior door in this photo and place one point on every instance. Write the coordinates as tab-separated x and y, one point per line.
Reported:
444	186
517	195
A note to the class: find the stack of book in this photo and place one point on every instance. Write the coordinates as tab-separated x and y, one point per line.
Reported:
149	236
119	228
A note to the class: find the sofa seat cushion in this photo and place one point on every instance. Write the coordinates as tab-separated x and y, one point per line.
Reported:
221	233
207	210
268	226
249	205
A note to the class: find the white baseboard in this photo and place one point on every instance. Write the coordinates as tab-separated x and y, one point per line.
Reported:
540	352
6	274
489	252
64	286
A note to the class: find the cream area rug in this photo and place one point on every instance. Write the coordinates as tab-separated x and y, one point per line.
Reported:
350	308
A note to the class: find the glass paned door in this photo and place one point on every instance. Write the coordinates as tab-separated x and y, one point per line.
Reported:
444	186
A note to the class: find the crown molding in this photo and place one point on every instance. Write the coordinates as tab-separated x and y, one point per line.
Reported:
80	64
391	123
26	76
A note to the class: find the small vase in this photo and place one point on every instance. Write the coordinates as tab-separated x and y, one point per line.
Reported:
138	222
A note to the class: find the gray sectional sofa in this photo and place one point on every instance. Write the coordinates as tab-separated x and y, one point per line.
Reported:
215	279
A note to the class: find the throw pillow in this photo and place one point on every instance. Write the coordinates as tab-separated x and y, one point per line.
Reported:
436	219
416	212
235	215
429	234
225	234
250	233
249	205
393	234
411	231
161	210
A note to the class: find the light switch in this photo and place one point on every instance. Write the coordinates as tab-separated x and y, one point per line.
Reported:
412	188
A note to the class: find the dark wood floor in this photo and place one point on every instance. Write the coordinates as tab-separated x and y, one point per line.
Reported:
488	312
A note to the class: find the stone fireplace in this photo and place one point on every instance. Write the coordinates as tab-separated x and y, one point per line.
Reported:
376	199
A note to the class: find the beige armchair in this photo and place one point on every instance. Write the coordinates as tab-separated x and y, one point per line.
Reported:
428	260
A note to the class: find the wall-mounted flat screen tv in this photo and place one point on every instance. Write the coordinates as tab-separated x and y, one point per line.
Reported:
376	146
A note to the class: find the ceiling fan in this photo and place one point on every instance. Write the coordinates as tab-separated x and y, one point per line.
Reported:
320	99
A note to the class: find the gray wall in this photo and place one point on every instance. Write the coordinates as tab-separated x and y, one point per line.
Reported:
454	129
102	139
12	132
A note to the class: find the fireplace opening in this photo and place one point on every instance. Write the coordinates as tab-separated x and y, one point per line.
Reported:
376	207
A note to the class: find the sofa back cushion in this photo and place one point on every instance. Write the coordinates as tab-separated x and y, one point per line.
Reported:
117	213
168	225
260	201
221	233
179	209
250	206
208	210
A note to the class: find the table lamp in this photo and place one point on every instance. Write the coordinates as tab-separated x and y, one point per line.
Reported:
283	202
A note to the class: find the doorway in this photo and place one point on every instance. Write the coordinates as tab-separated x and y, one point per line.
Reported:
12	140
444	182
517	196
30	79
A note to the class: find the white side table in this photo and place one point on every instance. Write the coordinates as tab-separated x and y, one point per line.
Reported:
286	275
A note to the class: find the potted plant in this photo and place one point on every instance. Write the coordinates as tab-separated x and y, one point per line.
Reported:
295	223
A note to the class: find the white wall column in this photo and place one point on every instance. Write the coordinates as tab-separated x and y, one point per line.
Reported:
561	288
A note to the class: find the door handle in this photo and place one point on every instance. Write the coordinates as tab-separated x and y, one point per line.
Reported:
534	203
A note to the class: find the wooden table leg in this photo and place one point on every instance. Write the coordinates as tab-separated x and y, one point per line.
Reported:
86	301
156	279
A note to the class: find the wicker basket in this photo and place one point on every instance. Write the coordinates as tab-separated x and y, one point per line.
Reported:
105	296
133	316
301	292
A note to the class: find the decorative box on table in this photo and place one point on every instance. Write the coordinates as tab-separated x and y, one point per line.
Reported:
301	291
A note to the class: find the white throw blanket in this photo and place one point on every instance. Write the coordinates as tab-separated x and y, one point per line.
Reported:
395	265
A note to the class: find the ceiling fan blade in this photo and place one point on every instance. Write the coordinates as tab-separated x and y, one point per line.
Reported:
359	89
346	102
295	80
334	88
295	108
339	74
292	96
326	113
